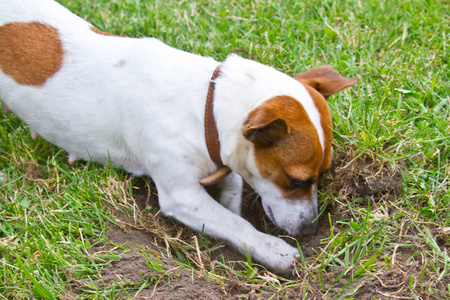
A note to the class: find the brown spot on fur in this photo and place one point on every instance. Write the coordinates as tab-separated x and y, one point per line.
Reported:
120	64
98	31
30	53
286	144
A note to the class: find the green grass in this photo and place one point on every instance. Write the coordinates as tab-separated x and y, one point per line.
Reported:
53	216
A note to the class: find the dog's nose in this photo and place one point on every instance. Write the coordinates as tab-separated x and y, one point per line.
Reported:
310	228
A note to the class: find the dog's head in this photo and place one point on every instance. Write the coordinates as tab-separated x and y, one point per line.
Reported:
292	149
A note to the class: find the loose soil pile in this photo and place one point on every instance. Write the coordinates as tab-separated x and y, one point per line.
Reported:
363	177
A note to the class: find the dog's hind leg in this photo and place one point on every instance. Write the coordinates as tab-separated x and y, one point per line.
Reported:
34	135
231	192
5	109
72	159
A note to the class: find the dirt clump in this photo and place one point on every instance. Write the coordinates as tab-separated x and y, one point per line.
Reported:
354	176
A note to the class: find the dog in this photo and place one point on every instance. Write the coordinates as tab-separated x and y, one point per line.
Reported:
185	120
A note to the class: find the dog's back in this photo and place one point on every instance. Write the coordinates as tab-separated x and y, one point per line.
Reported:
42	11
73	84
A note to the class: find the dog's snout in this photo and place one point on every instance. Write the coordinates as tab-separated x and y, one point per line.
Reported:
296	218
310	228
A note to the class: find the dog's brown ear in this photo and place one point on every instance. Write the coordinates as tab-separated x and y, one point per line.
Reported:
263	126
325	80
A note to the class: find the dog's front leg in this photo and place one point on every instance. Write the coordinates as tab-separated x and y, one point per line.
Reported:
231	192
193	206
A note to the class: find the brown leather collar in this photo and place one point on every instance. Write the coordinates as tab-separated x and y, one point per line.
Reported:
212	138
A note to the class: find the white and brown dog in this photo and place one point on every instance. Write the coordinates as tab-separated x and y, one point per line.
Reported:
142	105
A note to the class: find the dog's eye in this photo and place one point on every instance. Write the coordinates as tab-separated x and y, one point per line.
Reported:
300	184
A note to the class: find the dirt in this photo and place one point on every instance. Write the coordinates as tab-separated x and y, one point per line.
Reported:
171	282
362	179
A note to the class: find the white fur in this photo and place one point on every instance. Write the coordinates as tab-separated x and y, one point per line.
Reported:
140	103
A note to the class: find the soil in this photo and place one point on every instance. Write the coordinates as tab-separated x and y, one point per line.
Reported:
174	282
363	179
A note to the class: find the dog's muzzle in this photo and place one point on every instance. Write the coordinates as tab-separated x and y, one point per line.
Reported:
300	220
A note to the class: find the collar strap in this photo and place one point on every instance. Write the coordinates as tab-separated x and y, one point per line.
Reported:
212	137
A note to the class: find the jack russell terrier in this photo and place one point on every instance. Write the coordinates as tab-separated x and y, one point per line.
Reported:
185	120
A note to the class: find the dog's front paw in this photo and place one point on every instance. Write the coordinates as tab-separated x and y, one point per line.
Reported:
277	255
283	262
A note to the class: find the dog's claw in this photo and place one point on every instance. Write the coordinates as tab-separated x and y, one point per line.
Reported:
5	109
215	177
72	159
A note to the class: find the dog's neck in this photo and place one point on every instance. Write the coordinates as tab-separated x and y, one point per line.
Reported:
237	92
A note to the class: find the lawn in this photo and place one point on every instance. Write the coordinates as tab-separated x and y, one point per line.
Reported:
87	231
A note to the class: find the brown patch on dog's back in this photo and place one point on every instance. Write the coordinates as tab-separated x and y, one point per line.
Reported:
98	31
30	53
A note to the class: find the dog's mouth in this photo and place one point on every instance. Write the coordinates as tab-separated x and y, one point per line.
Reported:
304	229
